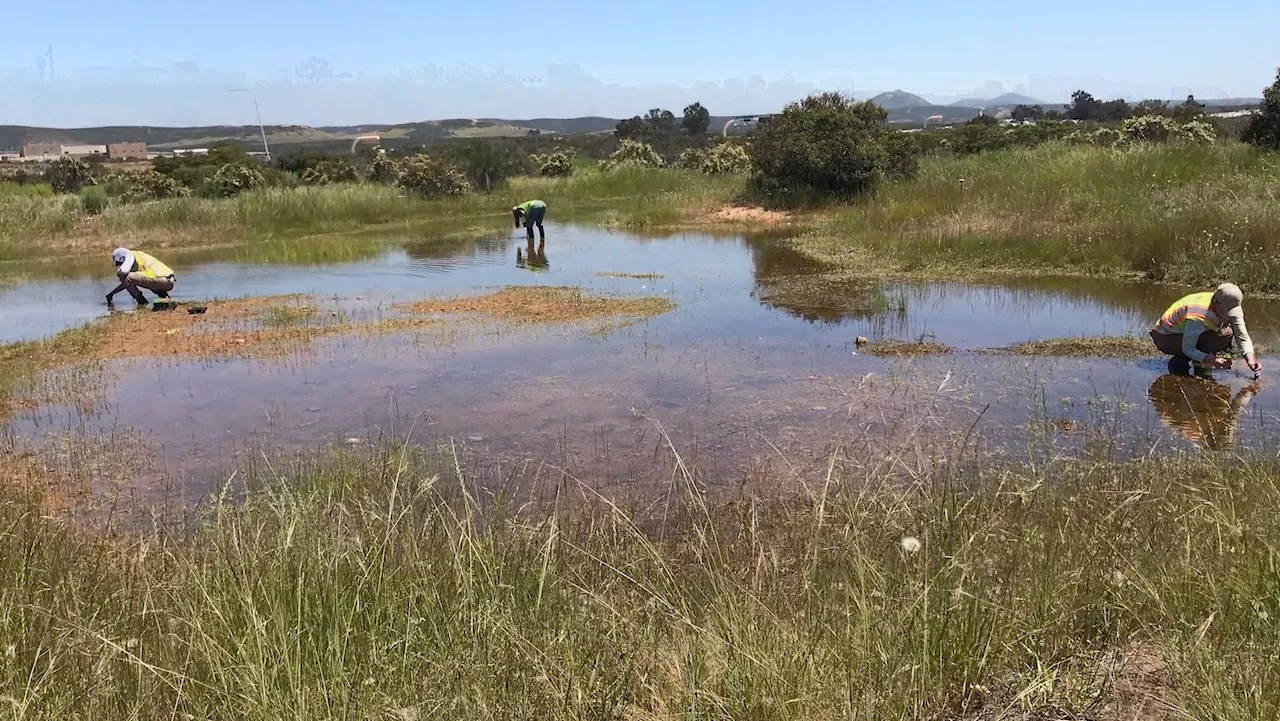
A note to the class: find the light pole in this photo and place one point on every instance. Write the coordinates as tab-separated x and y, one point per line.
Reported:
266	150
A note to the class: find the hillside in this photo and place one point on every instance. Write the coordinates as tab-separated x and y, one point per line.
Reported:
1008	100
296	136
899	99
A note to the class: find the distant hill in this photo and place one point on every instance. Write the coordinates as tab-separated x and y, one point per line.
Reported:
1008	100
899	99
293	137
919	114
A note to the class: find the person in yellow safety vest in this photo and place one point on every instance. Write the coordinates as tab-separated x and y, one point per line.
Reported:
138	270
1200	326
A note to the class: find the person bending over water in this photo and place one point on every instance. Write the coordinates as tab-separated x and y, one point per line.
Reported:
531	212
137	270
1199	327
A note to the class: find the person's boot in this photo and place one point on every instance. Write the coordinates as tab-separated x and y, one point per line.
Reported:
1180	365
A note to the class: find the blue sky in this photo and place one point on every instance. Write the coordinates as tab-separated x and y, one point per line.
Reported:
929	46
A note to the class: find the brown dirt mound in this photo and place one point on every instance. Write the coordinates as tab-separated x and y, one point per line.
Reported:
544	304
748	215
892	347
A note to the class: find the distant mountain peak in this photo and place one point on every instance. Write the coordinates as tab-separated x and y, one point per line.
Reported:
899	99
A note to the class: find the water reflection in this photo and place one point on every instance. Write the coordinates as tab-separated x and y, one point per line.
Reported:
534	259
1200	410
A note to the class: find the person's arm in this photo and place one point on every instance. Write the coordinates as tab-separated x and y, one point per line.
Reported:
1190	337
1241	334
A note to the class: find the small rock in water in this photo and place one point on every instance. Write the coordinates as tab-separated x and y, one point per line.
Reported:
353	441
475	438
313	409
861	340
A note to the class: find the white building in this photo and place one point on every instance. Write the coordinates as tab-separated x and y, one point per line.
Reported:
82	150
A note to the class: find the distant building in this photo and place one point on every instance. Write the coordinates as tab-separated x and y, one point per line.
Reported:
191	151
83	150
41	151
127	151
7	155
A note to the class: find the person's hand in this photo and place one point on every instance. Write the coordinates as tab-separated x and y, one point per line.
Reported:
1213	361
1254	365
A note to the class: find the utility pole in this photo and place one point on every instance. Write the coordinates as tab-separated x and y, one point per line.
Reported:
266	150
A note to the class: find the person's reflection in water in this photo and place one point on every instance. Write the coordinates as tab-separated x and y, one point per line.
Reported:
1200	409
534	259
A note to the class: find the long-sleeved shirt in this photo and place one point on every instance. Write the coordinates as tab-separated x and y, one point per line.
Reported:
1239	333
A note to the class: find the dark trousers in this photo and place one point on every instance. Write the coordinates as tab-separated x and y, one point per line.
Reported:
1208	342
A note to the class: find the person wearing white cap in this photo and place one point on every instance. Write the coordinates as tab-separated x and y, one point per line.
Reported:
1200	326
137	270
531	212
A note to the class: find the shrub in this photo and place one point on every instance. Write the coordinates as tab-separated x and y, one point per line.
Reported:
633	153
93	199
558	164
726	158
1198	131
691	158
151	185
68	175
233	179
383	169
1263	129
431	178
826	145
1105	137
1150	129
327	171
487	164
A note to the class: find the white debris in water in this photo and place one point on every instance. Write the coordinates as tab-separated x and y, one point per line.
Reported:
353	441
475	438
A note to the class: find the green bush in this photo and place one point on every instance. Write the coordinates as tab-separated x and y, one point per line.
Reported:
68	175
152	185
726	158
383	169
233	179
93	199
431	178
632	153
1198	131
1150	129
328	171
558	164
826	145
1263	129
487	164
691	158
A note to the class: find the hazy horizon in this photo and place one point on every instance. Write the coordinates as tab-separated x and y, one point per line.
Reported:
324	63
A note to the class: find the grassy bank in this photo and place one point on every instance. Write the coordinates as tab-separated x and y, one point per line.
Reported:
376	587
1192	215
37	227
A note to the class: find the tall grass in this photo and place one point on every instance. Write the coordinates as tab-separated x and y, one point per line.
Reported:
47	227
384	587
1188	214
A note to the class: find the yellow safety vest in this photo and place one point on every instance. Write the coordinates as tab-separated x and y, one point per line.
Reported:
150	267
1196	307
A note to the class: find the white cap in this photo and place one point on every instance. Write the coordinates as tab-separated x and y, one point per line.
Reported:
119	255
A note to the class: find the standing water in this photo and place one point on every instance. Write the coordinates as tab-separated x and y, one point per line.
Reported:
757	364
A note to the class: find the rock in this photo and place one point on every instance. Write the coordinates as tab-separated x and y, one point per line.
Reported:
475	438
354	441
861	340
239	341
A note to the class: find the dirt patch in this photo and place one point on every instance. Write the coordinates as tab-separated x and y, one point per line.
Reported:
741	214
893	347
544	304
229	328
1125	346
